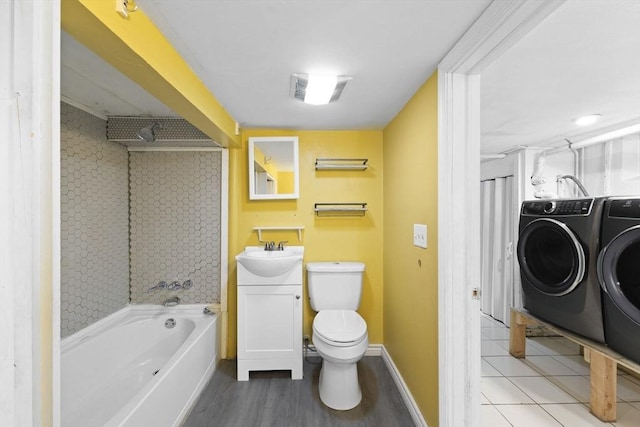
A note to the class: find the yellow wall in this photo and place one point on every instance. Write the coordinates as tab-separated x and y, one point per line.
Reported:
286	183
324	239
410	273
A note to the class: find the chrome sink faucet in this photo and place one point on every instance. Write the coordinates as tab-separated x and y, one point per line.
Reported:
271	246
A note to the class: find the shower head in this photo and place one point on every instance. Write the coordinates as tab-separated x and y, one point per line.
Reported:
147	133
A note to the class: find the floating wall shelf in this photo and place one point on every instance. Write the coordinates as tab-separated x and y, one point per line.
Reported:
295	228
341	164
340	209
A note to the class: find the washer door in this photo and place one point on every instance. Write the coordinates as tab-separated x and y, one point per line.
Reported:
619	272
551	258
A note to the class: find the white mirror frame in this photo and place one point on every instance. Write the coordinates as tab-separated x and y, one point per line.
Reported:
293	141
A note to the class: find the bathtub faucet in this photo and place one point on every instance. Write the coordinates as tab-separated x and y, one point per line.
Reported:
161	285
171	302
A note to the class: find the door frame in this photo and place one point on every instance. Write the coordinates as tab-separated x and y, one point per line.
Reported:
500	26
30	214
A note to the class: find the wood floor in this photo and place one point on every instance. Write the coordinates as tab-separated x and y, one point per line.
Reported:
272	399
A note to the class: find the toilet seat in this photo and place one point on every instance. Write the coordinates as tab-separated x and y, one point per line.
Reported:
341	328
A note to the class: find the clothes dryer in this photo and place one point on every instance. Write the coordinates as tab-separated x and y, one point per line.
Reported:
558	247
619	273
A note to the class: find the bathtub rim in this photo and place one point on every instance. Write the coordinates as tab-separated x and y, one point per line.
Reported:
70	342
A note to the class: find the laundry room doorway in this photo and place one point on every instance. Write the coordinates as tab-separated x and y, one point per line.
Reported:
500	286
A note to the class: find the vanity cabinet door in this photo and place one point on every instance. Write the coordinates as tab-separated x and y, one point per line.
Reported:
269	322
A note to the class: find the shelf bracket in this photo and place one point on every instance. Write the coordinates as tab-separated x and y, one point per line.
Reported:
294	228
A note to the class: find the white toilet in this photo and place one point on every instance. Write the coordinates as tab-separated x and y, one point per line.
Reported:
339	333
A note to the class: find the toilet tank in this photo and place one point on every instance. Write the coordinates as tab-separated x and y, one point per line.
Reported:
335	285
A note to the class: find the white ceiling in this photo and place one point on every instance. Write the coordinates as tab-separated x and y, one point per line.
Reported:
585	58
245	52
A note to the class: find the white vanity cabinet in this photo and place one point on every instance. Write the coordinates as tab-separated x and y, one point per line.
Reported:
270	322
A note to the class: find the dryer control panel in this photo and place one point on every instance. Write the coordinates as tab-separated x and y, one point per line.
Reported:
624	208
566	207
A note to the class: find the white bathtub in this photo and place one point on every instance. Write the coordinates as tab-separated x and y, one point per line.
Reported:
131	370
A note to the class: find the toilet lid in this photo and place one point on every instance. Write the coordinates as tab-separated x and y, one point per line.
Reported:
340	326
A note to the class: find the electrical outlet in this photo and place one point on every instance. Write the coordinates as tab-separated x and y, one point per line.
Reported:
420	235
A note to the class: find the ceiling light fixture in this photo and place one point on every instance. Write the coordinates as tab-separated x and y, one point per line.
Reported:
587	120
320	89
317	89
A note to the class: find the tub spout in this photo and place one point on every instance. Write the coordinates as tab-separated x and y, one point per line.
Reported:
171	302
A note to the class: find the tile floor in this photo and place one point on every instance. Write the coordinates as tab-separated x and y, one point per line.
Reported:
550	387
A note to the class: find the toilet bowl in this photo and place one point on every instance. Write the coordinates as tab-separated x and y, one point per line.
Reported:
340	338
339	333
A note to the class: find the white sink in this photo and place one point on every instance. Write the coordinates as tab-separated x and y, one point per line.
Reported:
269	263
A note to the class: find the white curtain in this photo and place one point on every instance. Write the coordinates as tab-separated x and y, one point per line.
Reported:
500	276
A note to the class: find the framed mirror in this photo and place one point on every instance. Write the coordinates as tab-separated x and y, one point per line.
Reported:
273	168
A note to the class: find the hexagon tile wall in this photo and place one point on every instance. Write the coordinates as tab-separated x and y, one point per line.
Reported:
175	224
94	221
130	220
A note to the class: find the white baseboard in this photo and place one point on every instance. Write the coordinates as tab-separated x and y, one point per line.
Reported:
416	415
374	350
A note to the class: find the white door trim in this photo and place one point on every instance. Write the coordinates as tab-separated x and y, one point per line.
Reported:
501	25
30	215
224	252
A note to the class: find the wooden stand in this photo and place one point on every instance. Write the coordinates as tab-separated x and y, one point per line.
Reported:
603	361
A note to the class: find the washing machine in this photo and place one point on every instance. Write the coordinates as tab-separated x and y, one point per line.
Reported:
557	250
619	273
